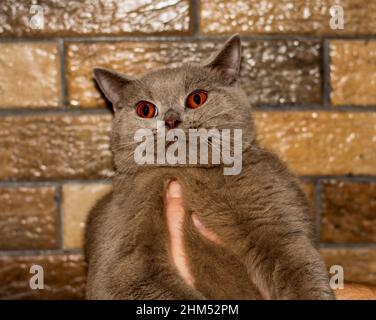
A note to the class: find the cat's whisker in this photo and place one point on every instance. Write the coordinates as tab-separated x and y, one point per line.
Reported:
202	114
125	144
109	178
219	150
126	158
216	116
119	148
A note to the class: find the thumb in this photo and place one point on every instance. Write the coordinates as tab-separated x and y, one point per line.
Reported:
206	233
175	221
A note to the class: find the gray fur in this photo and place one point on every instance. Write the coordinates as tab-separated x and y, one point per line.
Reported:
261	214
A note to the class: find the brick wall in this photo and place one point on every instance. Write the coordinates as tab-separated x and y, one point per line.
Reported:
313	88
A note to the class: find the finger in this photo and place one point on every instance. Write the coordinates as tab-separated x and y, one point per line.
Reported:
205	232
174	205
175	221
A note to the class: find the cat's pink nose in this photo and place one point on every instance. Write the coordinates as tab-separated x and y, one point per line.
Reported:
172	123
172	119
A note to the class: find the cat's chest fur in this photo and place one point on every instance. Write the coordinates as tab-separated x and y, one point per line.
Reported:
218	274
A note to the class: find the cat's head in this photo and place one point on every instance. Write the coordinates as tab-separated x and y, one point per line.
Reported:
192	96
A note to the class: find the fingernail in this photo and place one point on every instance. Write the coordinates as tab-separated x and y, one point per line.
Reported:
197	223
174	190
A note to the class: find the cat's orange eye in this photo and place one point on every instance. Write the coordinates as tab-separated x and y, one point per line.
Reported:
196	99
146	109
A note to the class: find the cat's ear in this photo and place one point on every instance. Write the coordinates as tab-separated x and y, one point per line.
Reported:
111	83
227	60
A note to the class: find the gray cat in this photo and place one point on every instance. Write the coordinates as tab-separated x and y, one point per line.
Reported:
260	214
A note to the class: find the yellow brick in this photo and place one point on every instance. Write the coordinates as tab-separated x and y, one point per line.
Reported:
55	147
96	18
353	72
78	200
273	72
286	17
321	143
359	264
29	75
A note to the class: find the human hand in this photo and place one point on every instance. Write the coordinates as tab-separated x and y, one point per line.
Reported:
175	215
